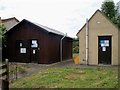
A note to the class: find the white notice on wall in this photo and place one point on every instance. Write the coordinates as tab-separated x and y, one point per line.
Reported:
34	44
107	43
104	49
22	50
104	43
20	44
33	51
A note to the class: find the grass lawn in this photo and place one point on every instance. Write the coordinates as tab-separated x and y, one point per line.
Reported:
99	77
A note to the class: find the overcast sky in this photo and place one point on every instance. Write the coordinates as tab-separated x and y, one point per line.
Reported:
67	16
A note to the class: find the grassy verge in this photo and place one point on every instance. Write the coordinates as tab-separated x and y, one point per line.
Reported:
21	69
99	77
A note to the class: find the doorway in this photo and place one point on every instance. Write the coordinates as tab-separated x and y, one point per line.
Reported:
22	51
104	49
34	51
27	51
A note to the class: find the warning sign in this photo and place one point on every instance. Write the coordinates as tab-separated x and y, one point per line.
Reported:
103	49
104	43
22	50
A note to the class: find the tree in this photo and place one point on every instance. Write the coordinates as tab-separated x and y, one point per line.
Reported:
111	11
118	21
75	45
118	8
118	13
108	8
2	31
3	40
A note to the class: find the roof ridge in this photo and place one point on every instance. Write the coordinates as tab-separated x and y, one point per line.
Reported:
47	28
93	16
10	19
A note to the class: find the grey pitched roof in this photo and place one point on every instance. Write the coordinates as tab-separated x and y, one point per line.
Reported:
50	29
8	24
8	19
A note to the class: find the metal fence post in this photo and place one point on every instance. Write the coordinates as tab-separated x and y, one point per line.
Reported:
7	76
16	71
7	69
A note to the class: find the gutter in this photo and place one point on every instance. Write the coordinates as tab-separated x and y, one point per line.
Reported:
61	47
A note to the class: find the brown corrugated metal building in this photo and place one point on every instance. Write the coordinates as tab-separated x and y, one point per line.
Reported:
30	42
103	41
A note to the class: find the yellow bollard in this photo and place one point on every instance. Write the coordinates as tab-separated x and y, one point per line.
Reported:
76	59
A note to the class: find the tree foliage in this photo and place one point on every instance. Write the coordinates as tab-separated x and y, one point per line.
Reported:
2	31
110	10
118	21
118	14
75	45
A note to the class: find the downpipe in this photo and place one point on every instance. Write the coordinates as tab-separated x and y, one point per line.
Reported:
87	42
61	46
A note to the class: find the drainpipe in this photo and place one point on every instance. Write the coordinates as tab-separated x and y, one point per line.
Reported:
87	41
61	46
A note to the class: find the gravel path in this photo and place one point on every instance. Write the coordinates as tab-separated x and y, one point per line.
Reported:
35	68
